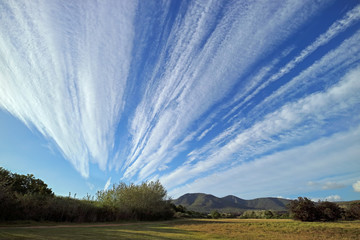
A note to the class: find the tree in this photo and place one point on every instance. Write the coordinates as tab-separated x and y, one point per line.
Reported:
352	212
329	211
28	184
7	197
23	184
215	214
304	209
268	214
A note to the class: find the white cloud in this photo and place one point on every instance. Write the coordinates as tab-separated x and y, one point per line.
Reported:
90	185
256	84
356	186
173	102
331	198
287	122
323	70
107	184
63	71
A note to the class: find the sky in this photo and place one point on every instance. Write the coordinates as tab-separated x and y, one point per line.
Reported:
245	98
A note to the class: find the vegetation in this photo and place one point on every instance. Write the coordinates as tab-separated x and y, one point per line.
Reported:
258	229
23	197
304	209
352	211
215	214
143	202
264	214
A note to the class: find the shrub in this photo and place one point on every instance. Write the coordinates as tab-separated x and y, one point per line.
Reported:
147	201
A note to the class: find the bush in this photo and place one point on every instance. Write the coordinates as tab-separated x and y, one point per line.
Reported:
147	201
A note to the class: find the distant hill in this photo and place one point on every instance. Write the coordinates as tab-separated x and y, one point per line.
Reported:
201	202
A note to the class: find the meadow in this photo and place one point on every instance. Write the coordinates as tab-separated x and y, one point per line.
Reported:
189	229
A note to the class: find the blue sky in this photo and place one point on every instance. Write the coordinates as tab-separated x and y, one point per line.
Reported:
249	98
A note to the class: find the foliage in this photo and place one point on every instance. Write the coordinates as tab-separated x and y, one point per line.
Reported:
23	197
352	212
215	214
304	209
329	211
24	184
143	202
264	214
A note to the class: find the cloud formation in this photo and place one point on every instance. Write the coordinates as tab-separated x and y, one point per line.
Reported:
60	76
203	95
107	184
331	198
356	186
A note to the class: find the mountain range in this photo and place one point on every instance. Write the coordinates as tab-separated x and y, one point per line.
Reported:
202	202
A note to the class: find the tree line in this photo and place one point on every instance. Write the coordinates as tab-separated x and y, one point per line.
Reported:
304	209
24	197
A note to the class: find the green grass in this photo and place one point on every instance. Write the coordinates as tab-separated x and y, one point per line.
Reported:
191	229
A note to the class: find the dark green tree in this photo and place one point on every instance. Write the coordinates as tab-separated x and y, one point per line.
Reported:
329	211
352	212
304	209
268	214
28	184
215	214
7	196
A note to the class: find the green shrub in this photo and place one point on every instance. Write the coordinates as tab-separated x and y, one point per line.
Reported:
147	201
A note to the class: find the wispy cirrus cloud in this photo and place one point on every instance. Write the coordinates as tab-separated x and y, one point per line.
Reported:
259	81
322	70
183	92
107	184
293	122
64	68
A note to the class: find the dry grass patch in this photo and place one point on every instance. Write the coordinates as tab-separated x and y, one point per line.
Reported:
193	229
272	229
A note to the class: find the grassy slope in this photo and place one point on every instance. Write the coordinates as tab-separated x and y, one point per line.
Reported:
195	229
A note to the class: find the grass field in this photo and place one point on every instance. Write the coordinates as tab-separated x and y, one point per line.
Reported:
190	229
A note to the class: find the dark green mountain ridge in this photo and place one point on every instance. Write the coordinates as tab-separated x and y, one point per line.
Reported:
201	202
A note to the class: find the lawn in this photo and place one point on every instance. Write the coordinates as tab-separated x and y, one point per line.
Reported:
191	229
